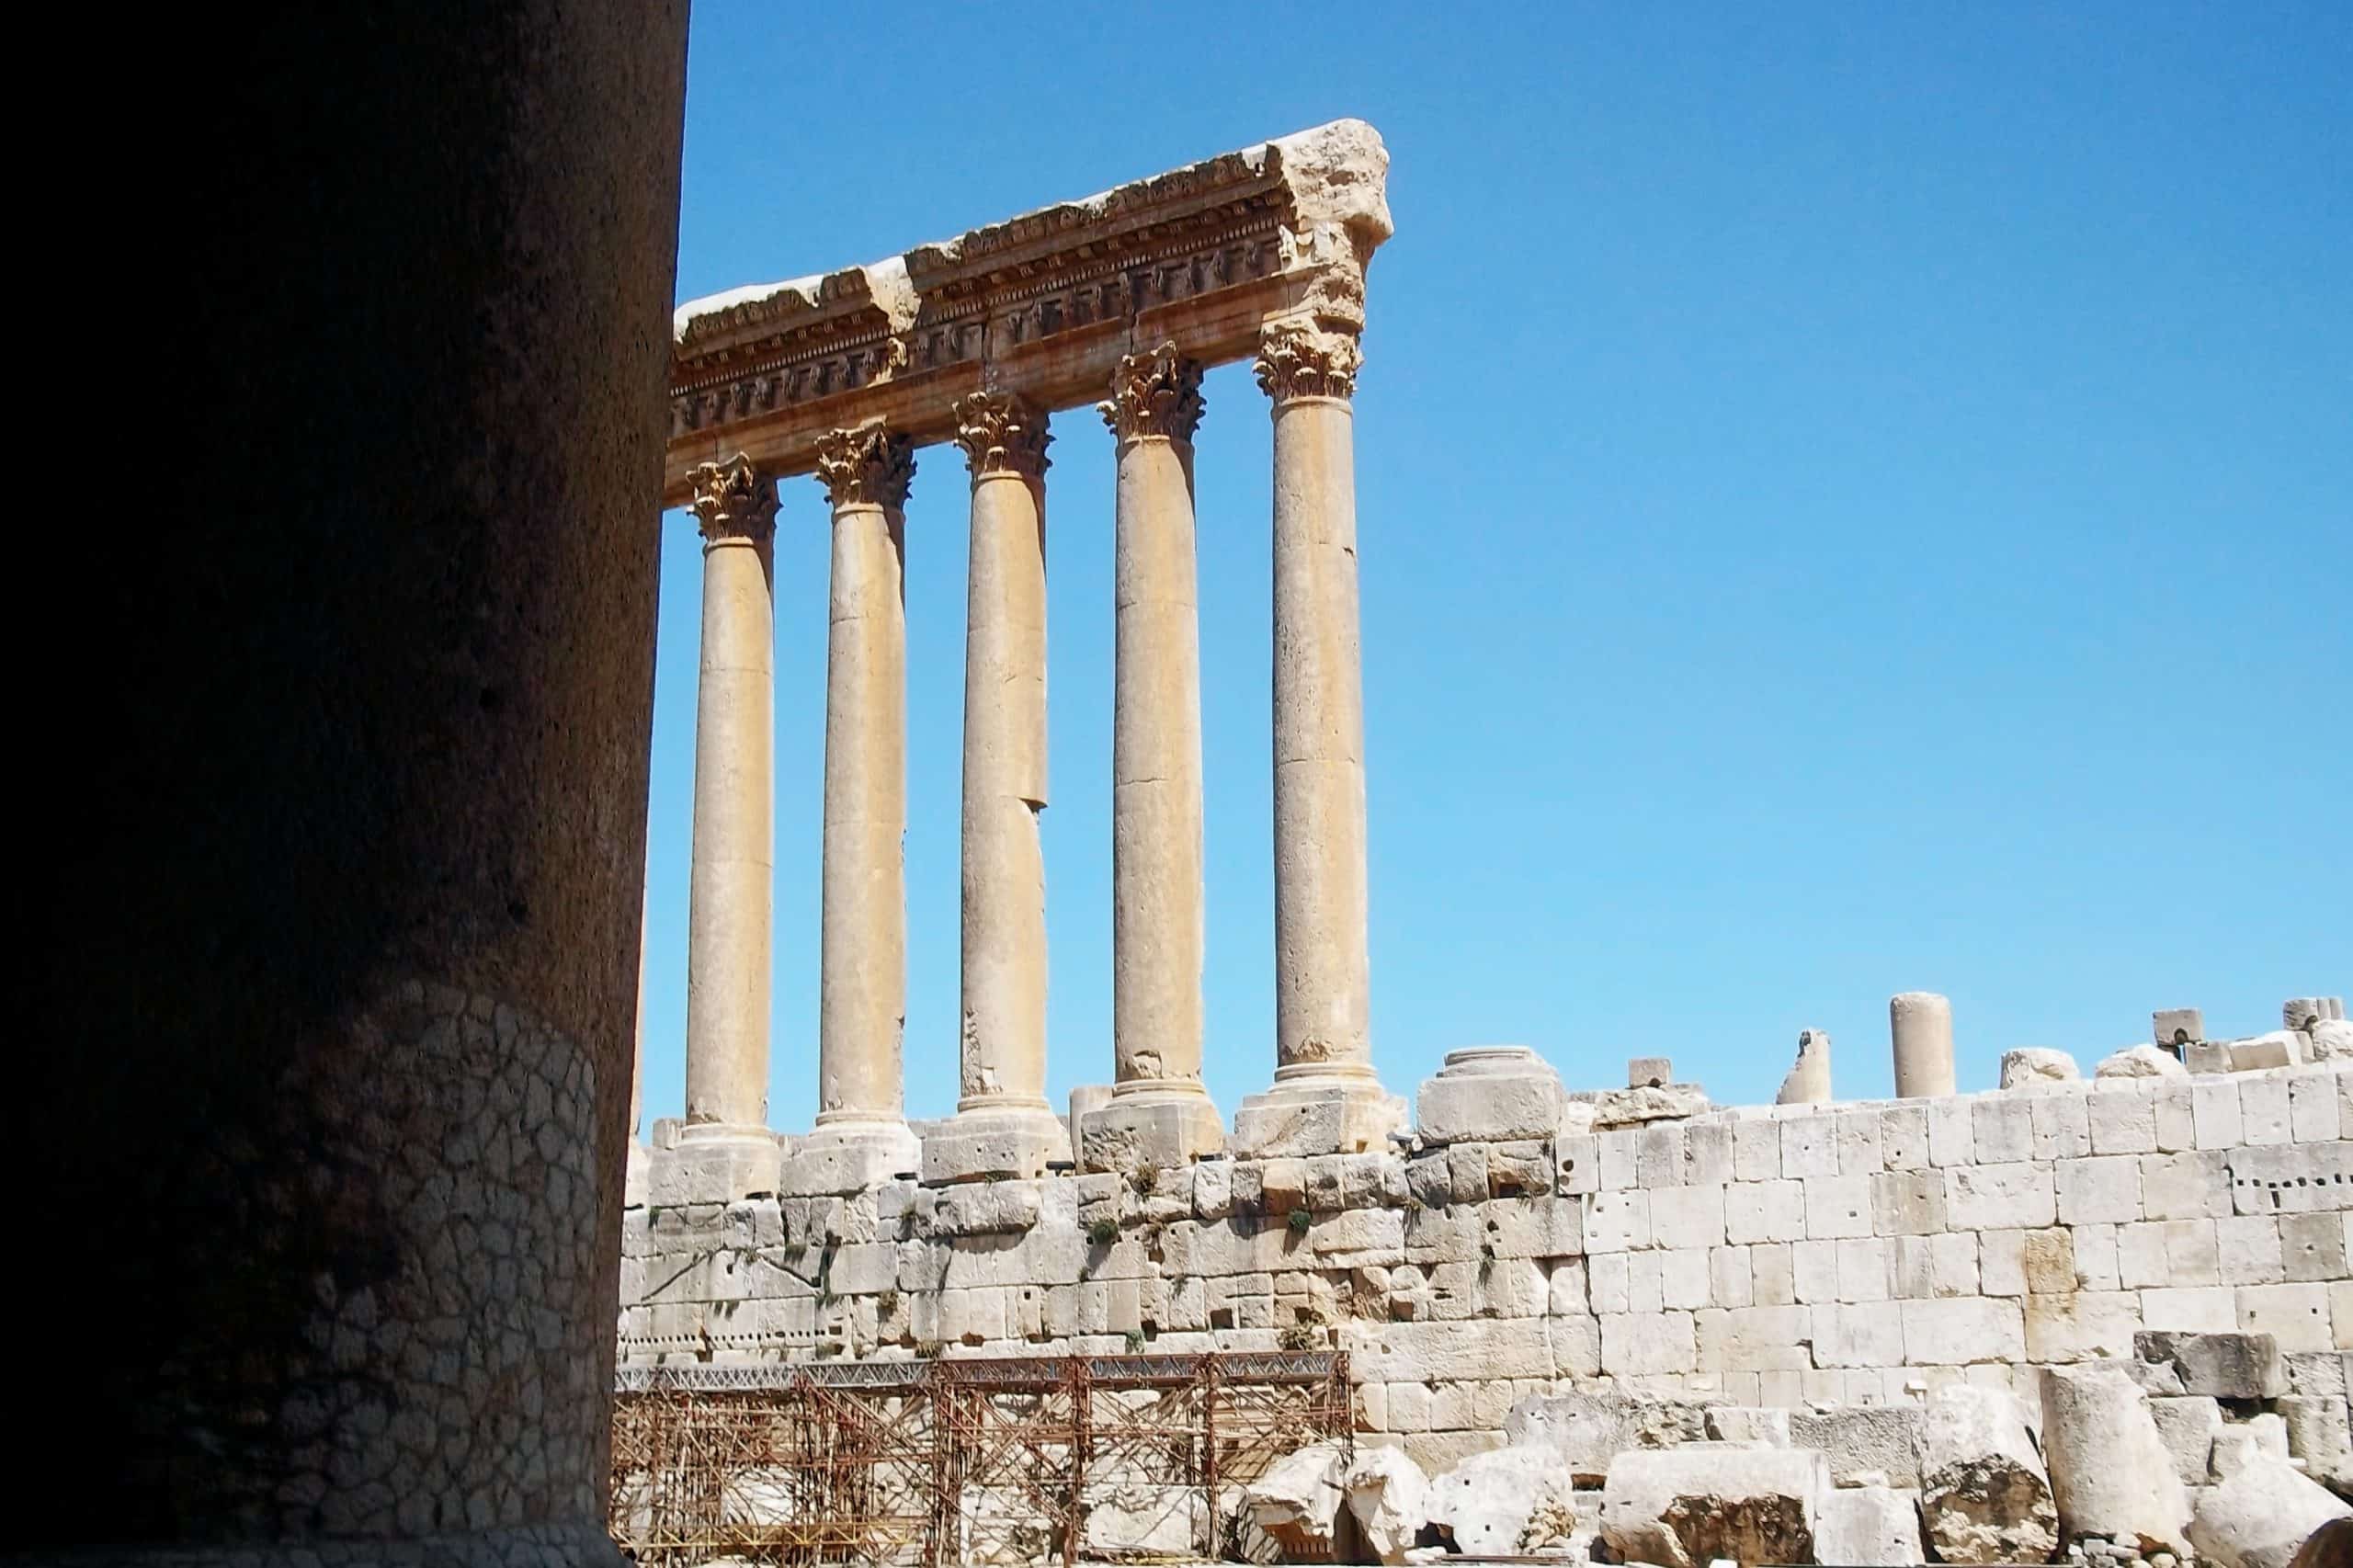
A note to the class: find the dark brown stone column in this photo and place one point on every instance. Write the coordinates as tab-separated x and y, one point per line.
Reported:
342	952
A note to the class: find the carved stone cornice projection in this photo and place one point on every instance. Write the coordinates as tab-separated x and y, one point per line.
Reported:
1001	432
1157	393
734	500
870	466
1296	360
1042	306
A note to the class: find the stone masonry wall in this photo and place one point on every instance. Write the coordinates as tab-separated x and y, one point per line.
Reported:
1854	1253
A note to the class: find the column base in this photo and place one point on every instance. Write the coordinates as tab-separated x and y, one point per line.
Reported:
1490	1094
713	1162
1318	1116
850	1156
989	1142
1166	1127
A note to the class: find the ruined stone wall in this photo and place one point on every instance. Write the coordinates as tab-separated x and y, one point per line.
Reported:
1858	1254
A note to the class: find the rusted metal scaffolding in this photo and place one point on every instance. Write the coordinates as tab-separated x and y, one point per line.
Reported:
976	1460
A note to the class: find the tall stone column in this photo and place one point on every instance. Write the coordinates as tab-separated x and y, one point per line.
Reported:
1326	1097
725	1149
861	1135
1002	1126
1158	1113
1920	1023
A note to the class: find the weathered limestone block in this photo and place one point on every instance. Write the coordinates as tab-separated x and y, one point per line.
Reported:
2111	1471
1859	1441
1984	1495
2258	1517
1585	1431
2139	1062
2035	1066
2225	1366
2331	1041
1299	1499
985	1207
1388	1498
2186	1424
1750	1426
1869	1527
1634	1107
1128	1518
2318	1434
1509	1502
2279	1047
1487	1094
2238	1444
2177	1026
1687	1507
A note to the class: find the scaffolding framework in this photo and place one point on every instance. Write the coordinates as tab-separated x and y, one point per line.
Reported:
975	1459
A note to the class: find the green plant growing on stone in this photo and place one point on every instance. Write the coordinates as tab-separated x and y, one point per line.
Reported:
1298	1221
1103	1231
1135	1341
1298	1336
1145	1179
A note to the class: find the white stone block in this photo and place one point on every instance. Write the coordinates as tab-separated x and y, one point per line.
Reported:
2312	1107
2176	1115
2141	1256
1998	1196
2095	1264
1847	1334
2263	1110
1621	1157
2192	1253
1953	1260
1490	1093
2003	1130
1908	1203
1772	1274
2260	1516
1903	1136
1683	1278
2296	1316
2103	1188
2312	1246
1617	1221
2247	1246
2001	1262
1810	1145
2125	1116
1688	1216
1765	1211
1860	1152
1644	1291
1838	1206
1814	1267
1757	1149
1729	1282
2215	1111
2190	1186
1962	1330
1952	1131
2062	1128
1866	1269
1639	1343
2082	1326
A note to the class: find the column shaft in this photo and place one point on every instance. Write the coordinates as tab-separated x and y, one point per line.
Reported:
1158	1114
1920	1024
1322	989
862	960
1003	1125
730	891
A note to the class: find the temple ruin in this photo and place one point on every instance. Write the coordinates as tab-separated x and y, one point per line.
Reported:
2107	1316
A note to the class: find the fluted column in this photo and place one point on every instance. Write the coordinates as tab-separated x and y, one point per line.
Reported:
730	891
1003	1125
1326	1098
861	1134
1158	1114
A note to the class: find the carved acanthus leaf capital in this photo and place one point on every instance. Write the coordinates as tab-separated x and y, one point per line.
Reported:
871	465
734	500
1001	432
1297	360
1157	393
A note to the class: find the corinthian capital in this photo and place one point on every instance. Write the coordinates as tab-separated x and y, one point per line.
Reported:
1157	393
870	466
734	500
1296	360
1001	432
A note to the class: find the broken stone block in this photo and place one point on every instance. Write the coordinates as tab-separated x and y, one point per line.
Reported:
1138	1518
2177	1026
1750	1426
1489	1093
1632	1107
2111	1474
2331	1041
2207	1056
1857	1440
2186	1426
2318	1434
1808	1081
2302	1012
2036	1066
2238	1444
1585	1431
2227	1366
2139	1062
1984	1495
2280	1048
1510	1502
1687	1507
1649	1072
1388	1498
2260	1516
1296	1502
1869	1527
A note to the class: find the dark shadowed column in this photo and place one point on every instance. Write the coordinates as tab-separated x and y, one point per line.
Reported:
344	953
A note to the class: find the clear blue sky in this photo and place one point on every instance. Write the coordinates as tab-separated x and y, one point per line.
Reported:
1852	499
